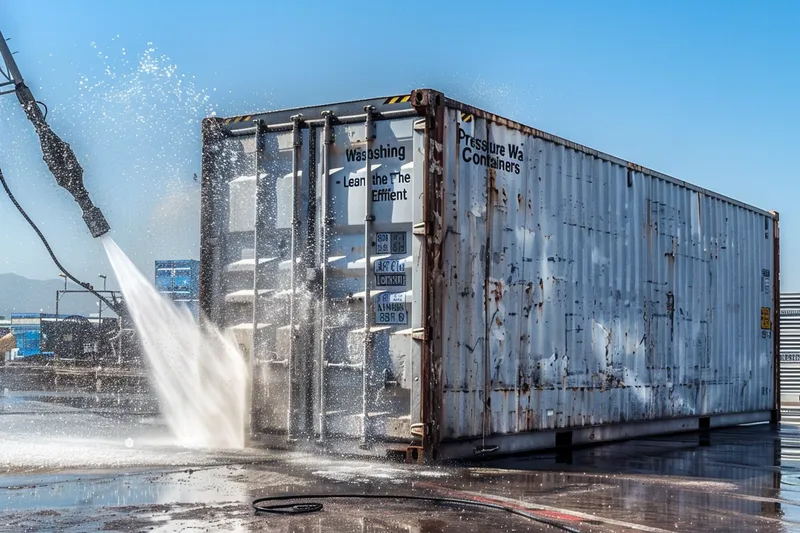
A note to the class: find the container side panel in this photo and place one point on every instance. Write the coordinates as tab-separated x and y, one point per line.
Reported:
465	254
581	292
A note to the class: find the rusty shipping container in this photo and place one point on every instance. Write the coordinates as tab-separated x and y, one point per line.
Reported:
414	275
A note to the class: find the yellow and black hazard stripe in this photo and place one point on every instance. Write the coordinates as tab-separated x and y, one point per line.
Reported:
403	99
234	120
466	117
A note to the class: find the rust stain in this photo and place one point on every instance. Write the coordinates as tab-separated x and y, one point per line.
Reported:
493	192
671	313
541	283
519	198
497	292
699	211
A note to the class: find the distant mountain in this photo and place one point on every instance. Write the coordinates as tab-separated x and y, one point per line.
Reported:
22	295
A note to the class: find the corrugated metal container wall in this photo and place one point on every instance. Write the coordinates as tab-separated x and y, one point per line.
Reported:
610	294
790	350
412	272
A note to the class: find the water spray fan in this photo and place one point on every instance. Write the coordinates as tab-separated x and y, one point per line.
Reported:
57	153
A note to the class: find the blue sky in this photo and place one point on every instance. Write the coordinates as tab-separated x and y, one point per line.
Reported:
704	91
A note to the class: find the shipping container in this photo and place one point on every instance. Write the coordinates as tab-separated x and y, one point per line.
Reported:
178	279
415	275
28	339
31	335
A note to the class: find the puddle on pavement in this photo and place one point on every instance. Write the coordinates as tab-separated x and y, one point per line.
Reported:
220	498
44	437
111	403
130	489
99	468
365	516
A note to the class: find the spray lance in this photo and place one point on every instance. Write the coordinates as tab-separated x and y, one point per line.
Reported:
58	154
60	159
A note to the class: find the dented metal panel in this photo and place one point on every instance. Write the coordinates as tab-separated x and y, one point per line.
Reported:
583	292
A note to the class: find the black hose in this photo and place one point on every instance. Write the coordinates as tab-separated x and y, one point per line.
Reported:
311	507
47	245
45	108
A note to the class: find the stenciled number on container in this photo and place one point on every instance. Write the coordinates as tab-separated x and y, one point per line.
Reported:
393	242
390	308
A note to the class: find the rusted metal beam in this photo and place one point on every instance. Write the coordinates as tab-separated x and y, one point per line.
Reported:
430	104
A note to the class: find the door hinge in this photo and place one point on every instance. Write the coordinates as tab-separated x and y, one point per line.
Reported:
418	334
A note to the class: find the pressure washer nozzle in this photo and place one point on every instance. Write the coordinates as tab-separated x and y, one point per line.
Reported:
95	221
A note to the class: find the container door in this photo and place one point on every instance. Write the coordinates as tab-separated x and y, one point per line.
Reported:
369	198
266	300
284	338
312	263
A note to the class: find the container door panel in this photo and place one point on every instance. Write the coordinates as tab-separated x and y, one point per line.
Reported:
282	302
367	195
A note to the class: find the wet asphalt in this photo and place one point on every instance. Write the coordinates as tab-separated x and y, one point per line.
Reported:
104	462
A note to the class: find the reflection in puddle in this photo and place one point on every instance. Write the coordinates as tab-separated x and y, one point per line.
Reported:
143	488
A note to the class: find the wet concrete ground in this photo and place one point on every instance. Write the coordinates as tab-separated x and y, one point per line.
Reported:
78	465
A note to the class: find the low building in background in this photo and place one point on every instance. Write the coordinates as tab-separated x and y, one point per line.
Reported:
68	337
179	280
27	329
